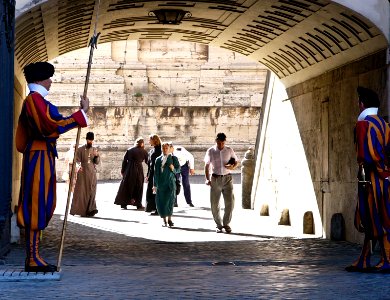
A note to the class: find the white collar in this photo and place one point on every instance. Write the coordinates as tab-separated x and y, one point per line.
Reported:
216	148
368	112
34	87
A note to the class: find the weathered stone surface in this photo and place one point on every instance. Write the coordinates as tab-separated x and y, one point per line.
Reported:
337	227
247	171
264	210
285	218
308	223
184	92
309	159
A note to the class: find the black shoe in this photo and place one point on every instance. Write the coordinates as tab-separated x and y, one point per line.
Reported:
191	205
124	206
176	205
170	223
155	213
45	269
219	229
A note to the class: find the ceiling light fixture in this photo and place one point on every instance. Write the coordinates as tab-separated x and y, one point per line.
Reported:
170	16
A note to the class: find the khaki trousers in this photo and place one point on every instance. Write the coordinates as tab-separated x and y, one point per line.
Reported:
222	185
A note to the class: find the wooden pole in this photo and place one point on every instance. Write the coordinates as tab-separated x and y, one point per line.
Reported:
92	45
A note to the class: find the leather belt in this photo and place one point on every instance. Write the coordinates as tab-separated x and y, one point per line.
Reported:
216	175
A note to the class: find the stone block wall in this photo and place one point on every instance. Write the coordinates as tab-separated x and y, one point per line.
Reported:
184	92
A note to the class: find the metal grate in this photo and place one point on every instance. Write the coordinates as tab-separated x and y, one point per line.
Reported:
16	275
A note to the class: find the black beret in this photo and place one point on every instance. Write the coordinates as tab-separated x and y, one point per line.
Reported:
90	136
38	71
368	97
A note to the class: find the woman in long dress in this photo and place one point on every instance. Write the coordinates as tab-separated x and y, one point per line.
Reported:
155	152
165	170
131	187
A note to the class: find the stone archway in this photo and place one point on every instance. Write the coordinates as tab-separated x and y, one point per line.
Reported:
310	45
296	39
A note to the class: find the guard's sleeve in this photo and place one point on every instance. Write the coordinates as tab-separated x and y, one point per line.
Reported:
361	141
376	147
370	147
48	120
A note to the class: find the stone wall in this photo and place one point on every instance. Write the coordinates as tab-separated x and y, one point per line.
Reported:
332	97
184	92
309	159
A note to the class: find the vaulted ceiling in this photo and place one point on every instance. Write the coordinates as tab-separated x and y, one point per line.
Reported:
296	39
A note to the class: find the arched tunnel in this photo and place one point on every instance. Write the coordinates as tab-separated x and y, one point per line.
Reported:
317	52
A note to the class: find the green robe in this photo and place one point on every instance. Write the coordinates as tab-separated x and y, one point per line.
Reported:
165	181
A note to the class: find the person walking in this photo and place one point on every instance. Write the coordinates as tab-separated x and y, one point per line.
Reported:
155	142
84	196
131	187
39	126
186	160
219	161
165	170
372	214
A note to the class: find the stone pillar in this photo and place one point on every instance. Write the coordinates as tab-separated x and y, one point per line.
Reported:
247	172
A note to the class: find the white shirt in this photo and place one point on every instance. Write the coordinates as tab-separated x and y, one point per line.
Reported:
184	156
219	158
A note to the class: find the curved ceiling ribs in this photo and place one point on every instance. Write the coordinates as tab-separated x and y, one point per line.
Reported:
290	37
74	22
30	44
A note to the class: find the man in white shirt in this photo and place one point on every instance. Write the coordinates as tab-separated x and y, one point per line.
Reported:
221	159
186	160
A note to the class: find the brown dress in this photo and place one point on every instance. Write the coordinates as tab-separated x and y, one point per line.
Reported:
84	196
131	187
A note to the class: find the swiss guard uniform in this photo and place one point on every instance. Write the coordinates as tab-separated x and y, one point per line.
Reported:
372	215
39	126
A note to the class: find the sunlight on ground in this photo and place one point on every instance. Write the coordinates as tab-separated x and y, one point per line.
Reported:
192	224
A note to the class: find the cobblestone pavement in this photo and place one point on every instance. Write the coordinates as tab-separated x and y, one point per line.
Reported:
126	254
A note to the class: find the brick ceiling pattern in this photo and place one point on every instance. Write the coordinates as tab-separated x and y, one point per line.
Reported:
287	36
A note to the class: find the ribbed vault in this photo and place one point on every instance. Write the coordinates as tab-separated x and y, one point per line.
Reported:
296	39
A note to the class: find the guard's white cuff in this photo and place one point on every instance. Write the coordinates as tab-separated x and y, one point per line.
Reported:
85	116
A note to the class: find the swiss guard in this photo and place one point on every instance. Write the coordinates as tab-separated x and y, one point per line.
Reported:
39	126
372	215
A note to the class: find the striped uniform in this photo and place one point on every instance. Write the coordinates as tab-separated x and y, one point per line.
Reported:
39	126
372	215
